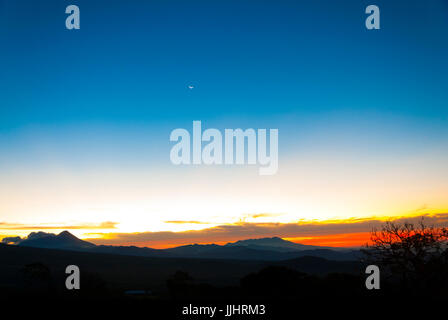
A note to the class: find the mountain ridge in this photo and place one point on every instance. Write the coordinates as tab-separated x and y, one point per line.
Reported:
64	240
269	249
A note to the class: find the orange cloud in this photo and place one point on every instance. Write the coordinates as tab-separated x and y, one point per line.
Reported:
351	232
18	226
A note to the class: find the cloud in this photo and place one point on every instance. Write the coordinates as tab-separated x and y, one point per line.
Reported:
31	236
38	235
11	240
186	222
18	226
241	219
263	215
244	230
259	215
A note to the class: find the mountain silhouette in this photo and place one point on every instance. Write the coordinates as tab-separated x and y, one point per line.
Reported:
264	249
64	240
274	244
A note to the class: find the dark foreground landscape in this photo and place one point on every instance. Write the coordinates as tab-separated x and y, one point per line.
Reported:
163	286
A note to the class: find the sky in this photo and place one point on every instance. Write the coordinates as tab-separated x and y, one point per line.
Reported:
86	115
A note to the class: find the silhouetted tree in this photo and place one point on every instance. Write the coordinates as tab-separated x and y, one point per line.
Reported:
416	254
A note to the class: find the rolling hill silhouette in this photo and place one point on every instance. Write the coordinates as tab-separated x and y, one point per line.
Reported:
268	249
129	271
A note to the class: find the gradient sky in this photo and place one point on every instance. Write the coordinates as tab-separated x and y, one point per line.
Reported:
85	115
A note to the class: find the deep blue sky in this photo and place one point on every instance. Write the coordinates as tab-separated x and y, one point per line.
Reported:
118	86
133	60
85	115
309	68
306	67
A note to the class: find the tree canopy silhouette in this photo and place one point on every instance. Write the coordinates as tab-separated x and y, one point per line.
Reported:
416	255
